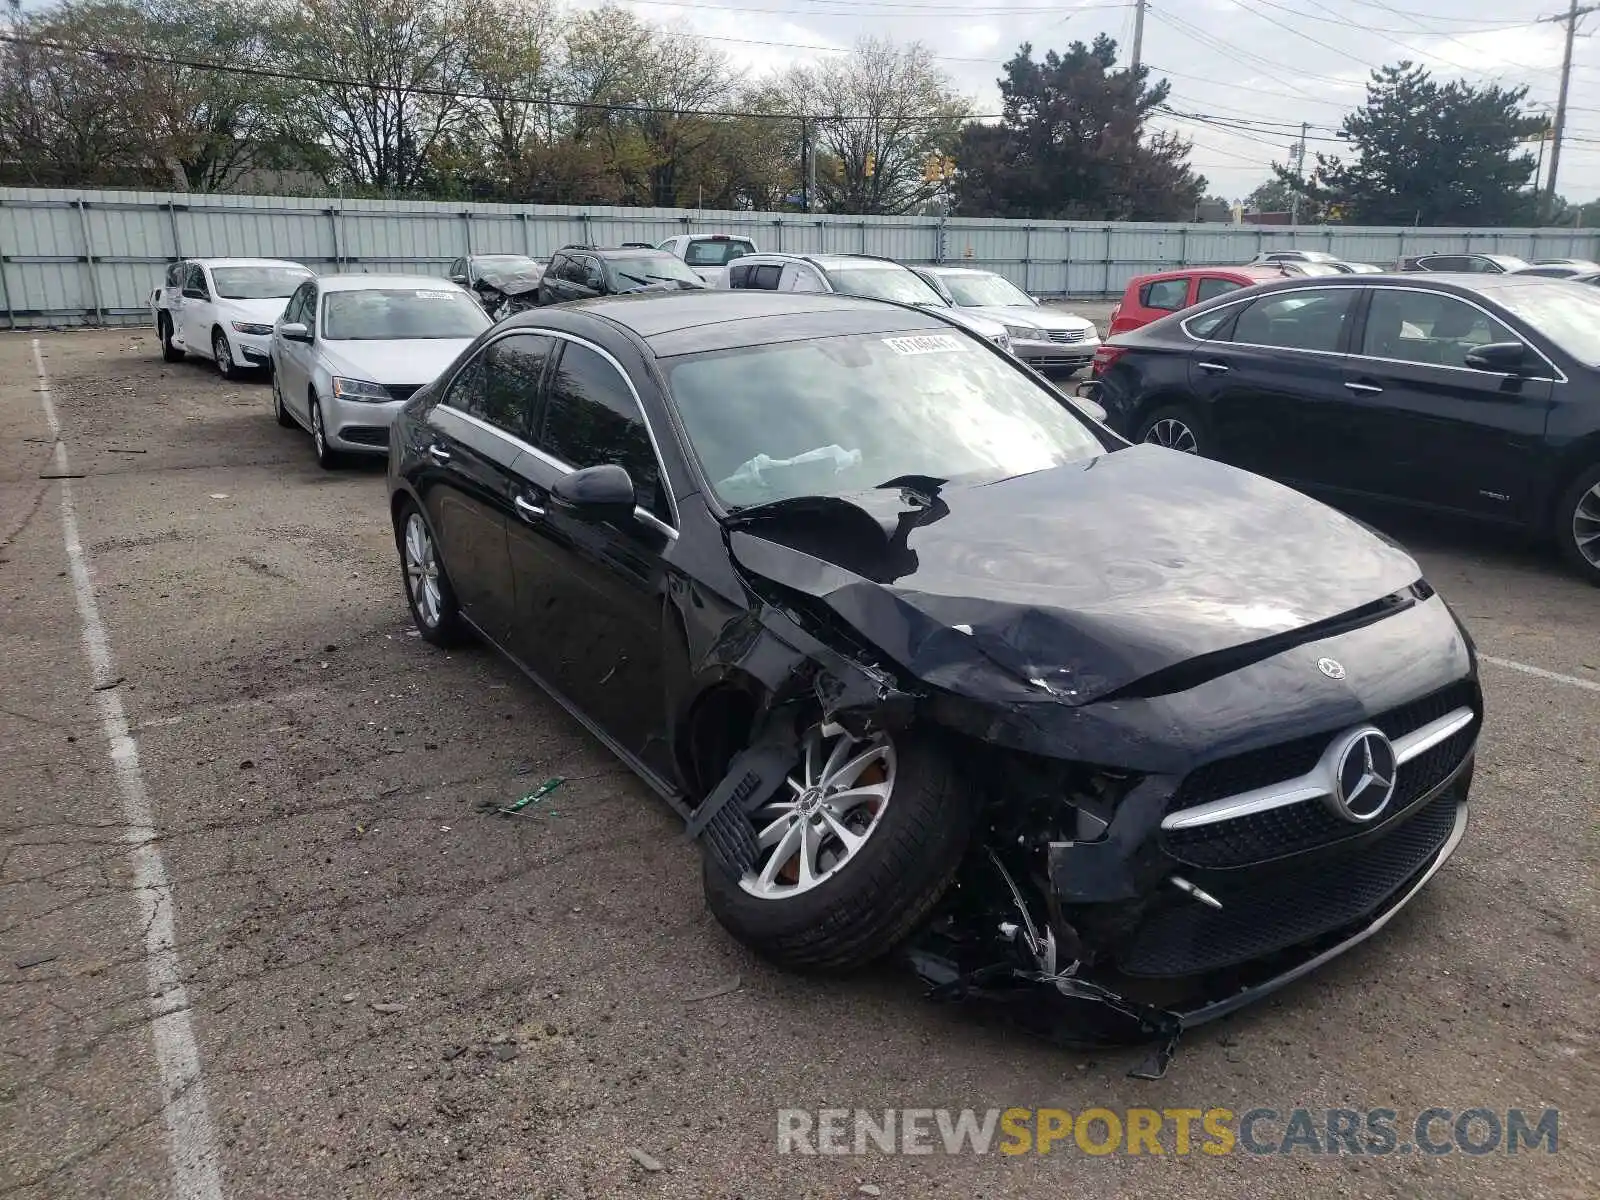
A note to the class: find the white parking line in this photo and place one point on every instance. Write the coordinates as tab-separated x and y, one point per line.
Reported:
191	1140
1587	685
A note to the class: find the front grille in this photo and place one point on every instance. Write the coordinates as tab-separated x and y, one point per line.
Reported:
403	391
1068	335
1265	915
365	435
1295	828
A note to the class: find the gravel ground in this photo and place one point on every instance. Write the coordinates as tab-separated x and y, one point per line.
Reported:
393	996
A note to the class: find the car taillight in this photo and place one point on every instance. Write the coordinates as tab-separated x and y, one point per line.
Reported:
1106	356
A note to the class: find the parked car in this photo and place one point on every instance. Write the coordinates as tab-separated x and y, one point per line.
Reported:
351	349
863	275
1044	338
1150	297
506	291
583	272
708	254
1581	264
1476	394
927	660
1475	264
1295	256
223	309
470	269
1357	268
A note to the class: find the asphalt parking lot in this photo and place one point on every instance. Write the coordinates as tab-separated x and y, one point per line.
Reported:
371	989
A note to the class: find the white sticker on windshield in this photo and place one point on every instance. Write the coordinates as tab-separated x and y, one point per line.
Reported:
434	295
927	343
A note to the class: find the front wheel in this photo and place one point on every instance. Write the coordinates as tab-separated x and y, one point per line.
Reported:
1177	428
854	850
428	592
1577	524
327	458
223	354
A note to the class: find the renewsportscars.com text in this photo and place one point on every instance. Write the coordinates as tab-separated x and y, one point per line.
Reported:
1175	1131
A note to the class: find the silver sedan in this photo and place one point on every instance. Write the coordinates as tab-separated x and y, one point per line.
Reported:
349	350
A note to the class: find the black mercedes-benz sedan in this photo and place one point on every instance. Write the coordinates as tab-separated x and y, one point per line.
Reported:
930	661
1476	394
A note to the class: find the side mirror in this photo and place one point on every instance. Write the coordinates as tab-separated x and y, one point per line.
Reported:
294	331
1506	358
603	493
461	279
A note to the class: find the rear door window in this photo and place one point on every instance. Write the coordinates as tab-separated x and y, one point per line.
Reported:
512	387
1166	295
1310	319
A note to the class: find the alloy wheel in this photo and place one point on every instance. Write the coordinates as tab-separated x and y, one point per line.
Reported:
1586	525
224	357
828	808
1174	435
422	571
319	437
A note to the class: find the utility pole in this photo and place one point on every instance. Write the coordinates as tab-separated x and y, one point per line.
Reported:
1570	20
1299	173
1138	31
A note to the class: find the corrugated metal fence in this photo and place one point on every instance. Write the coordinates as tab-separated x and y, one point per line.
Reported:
74	258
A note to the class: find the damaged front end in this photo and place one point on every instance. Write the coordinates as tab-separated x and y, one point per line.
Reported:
1159	838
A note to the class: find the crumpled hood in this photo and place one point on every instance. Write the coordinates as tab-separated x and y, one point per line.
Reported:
1030	317
415	360
1077	581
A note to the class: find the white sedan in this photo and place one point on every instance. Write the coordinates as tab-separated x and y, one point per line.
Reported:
351	349
224	309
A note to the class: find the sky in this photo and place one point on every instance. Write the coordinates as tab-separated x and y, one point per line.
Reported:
1246	72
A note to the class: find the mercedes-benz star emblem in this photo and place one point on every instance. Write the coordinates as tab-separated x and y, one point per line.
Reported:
1331	667
1364	776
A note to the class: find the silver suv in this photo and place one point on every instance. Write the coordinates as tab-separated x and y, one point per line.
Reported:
861	275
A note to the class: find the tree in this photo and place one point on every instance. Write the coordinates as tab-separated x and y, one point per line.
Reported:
879	114
1072	144
1430	154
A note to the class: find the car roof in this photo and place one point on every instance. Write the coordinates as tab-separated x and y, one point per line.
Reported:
353	282
1256	271
247	262
715	319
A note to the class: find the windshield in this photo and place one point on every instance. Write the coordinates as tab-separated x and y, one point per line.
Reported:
834	415
1566	313
396	314
1313	268
651	269
257	283
976	291
716	252
884	283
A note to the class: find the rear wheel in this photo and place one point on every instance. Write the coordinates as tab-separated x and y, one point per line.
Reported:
1176	427
1577	524
279	409
854	850
169	352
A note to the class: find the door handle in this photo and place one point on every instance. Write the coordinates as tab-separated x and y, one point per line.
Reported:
439	454
527	509
1365	388
1215	368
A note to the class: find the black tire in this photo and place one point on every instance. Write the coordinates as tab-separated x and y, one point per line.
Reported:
447	628
883	893
1578	516
222	355
327	458
169	352
279	409
1178	427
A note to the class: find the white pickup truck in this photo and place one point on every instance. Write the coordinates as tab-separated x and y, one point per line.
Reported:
708	254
